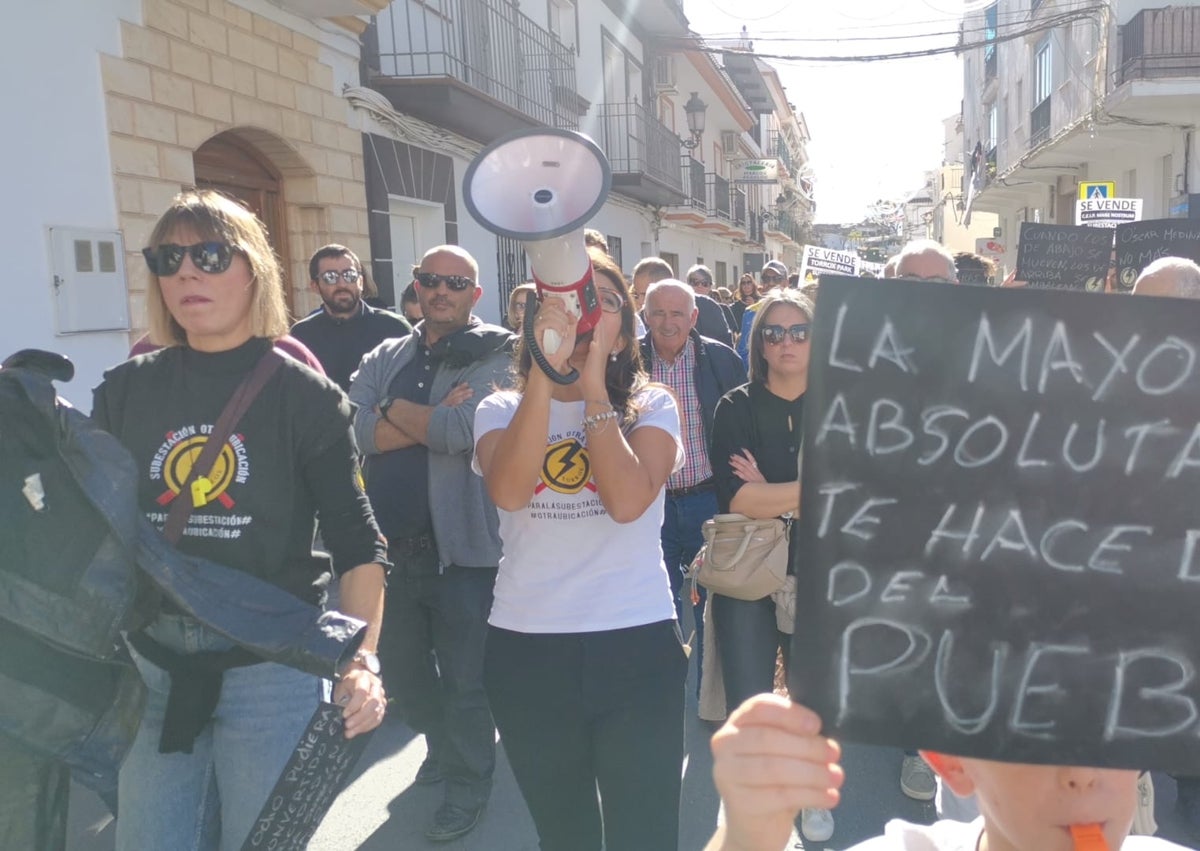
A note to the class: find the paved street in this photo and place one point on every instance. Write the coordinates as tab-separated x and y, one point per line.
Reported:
382	811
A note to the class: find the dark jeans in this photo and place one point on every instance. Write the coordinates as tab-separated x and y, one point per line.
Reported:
747	639
681	540
431	651
33	799
582	711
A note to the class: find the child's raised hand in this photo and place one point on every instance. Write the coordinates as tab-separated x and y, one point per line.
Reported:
769	762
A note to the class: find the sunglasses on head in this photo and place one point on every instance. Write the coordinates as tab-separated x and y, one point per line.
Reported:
431	281
212	258
773	334
331	276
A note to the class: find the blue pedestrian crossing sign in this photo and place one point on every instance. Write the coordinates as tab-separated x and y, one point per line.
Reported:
1097	189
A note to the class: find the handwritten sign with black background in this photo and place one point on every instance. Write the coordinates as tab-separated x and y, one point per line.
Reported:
1064	257
1141	243
314	775
999	552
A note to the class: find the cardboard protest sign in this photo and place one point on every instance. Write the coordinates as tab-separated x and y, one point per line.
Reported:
1107	212
314	775
1141	243
999	548
818	261
1063	257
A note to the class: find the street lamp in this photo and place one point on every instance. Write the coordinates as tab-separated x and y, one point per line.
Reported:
695	109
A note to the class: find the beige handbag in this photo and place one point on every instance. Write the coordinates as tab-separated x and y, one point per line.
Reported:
742	558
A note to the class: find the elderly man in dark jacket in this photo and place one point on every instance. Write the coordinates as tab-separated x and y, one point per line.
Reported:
699	370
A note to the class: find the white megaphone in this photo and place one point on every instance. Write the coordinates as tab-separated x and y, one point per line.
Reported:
541	187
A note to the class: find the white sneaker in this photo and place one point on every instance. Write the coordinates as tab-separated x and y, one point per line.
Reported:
816	825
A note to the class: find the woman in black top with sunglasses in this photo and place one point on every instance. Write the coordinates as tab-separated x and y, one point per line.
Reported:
215	304
755	456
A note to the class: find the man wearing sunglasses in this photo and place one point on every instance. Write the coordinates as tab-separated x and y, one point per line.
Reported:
700	279
345	327
415	421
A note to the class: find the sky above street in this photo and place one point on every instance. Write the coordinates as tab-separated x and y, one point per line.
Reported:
876	126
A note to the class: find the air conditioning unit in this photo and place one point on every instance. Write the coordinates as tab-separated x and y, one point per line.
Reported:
729	143
664	74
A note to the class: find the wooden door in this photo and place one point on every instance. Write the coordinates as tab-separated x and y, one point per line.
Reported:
235	168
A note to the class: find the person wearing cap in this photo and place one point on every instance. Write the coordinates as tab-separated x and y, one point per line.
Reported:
700	279
773	276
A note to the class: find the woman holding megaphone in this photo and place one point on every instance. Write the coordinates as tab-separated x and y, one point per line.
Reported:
584	667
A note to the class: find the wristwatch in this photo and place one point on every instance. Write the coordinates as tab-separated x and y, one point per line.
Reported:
383	407
368	660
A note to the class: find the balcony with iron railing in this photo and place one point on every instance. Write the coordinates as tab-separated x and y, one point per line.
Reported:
777	146
481	68
1158	44
695	194
1039	123
738	197
718	197
643	153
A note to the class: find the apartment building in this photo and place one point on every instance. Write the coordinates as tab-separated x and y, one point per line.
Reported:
1059	92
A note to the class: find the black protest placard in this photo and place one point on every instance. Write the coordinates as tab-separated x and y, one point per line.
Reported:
314	775
1141	243
1063	257
999	547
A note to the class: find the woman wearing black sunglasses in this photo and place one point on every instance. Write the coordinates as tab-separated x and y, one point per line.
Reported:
755	457
215	303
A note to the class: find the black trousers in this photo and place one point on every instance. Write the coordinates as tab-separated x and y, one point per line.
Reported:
579	712
431	651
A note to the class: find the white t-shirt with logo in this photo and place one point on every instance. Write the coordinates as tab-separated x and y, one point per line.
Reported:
567	565
964	836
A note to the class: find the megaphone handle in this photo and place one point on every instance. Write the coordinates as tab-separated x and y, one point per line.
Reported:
535	351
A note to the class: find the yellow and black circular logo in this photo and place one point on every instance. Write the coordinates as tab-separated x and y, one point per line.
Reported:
183	455
566	467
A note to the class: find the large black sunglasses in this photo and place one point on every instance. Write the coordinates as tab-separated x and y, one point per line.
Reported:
773	334
430	281
212	258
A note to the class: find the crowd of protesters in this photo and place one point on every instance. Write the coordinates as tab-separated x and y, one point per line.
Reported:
517	547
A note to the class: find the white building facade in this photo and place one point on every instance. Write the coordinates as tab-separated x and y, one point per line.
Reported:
1079	93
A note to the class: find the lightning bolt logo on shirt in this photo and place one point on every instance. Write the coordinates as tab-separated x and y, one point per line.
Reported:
566	468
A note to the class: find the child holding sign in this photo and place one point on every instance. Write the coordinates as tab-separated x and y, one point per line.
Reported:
770	761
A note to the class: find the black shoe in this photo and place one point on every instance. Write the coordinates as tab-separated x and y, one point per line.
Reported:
451	822
429	773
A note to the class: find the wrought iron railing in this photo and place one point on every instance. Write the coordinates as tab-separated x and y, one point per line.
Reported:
777	146
739	206
512	266
489	45
693	184
638	143
718	196
1160	43
1039	123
